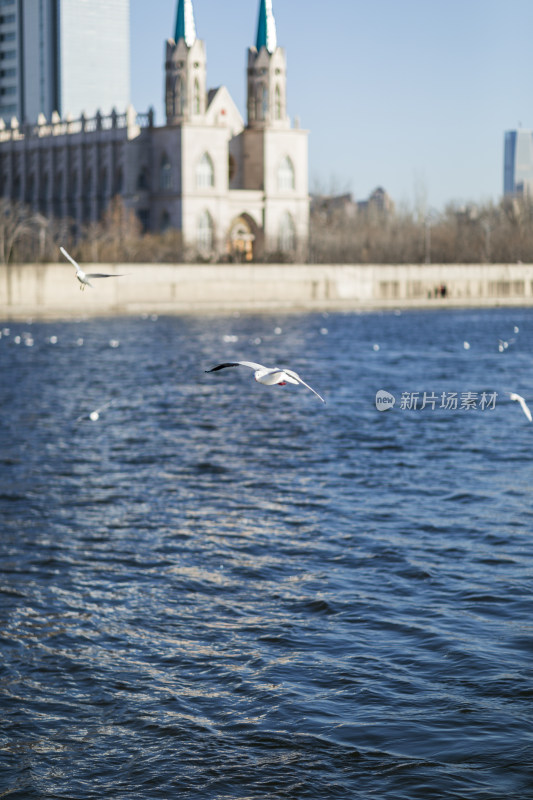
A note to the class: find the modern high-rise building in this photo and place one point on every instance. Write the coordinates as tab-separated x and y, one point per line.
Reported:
58	55
233	188
518	163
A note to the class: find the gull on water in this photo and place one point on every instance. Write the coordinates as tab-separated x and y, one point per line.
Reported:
83	277
523	404
269	376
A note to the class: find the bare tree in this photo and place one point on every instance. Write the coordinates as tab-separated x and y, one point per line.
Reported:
460	234
340	231
15	224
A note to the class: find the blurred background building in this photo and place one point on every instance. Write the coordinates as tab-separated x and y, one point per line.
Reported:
518	163
58	55
234	189
378	205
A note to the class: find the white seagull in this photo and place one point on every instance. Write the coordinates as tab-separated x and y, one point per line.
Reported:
503	344
525	407
268	375
82	276
94	416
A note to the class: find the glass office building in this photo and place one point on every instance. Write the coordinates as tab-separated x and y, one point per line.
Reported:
518	163
69	56
9	58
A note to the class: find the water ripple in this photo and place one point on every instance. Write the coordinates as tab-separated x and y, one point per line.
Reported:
224	590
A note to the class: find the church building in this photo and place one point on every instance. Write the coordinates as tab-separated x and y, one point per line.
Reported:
234	189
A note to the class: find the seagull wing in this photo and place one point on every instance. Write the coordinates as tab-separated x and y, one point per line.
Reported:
250	364
104	275
88	414
91	274
295	375
523	404
525	408
74	263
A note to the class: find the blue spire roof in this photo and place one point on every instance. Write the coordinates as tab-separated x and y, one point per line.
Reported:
185	23
266	27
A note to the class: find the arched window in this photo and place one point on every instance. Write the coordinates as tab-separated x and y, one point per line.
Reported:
287	234
58	188
102	182
251	107
165	222
196	97
102	191
204	233
119	181
178	97
205	173
285	175
17	187
87	195
261	101
30	187
73	184
232	168
165	173
142	179
72	191
143	215
43	200
277	102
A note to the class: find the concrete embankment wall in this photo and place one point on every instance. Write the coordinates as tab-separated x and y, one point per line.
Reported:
51	290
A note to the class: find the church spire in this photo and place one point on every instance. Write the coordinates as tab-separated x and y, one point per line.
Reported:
266	27
185	23
267	75
185	70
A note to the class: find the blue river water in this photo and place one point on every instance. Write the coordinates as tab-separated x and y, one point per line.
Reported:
219	589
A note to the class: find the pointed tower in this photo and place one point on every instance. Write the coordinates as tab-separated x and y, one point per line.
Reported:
274	155
267	75
185	70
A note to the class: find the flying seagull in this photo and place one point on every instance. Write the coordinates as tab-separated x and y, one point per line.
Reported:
94	416
525	407
82	277
503	344
268	375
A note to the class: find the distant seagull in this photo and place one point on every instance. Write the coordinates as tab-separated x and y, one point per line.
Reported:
525	408
82	277
94	416
268	375
503	345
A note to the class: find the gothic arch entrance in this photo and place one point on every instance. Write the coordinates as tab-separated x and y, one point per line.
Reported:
243	239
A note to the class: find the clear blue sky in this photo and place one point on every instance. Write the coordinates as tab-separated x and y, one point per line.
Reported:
411	95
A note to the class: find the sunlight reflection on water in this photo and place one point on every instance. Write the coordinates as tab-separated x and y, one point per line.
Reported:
277	598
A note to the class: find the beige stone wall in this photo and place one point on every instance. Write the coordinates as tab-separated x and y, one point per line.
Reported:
51	290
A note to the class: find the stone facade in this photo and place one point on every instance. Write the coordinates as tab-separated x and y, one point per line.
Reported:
234	190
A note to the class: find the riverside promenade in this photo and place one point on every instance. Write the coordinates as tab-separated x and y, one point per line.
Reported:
51	291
